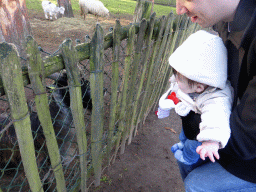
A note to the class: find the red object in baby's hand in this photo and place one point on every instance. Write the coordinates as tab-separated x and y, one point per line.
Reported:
173	97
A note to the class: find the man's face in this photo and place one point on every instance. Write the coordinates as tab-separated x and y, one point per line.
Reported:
204	12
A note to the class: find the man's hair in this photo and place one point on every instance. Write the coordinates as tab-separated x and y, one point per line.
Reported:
178	75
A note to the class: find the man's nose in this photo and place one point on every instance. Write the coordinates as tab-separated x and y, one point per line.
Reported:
180	8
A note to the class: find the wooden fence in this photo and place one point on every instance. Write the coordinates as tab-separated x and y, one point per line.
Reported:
130	63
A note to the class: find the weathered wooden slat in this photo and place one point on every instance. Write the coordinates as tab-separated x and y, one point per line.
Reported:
142	10
157	65
145	66
149	88
135	66
184	29
12	80
114	85
166	69
126	78
96	82
173	44
145	59
167	72
74	81
36	75
147	8
161	62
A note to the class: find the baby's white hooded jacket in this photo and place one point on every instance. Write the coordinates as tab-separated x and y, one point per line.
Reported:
203	58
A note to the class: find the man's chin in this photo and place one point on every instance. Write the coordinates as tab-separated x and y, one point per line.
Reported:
203	24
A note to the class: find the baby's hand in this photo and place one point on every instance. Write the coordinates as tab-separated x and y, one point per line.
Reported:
172	79
208	149
182	109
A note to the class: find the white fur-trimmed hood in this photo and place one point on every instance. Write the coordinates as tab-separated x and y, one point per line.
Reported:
202	58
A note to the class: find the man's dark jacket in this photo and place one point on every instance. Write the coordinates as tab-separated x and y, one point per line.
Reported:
239	36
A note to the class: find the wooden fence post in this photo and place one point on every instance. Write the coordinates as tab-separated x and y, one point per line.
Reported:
134	72
143	9
36	75
160	61
122	125
136	119
151	69
145	66
114	85
13	84
96	82
74	81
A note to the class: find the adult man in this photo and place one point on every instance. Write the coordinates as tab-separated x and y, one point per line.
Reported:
235	21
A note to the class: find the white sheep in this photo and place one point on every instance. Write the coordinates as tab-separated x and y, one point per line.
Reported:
51	9
95	7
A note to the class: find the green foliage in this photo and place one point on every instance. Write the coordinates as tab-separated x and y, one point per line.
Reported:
114	6
106	179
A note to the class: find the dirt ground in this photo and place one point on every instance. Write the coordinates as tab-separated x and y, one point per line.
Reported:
147	164
49	34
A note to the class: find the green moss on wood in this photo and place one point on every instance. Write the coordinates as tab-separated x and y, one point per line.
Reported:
36	75
12	80
71	60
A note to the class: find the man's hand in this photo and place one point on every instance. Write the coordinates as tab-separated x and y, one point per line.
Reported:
208	149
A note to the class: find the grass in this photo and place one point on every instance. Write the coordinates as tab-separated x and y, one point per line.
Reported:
128	7
106	179
165	2
122	7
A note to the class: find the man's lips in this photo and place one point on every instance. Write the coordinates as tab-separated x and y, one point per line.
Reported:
194	18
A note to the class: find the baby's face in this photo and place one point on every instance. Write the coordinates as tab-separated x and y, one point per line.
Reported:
184	86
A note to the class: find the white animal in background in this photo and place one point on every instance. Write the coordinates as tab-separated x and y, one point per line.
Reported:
95	7
51	9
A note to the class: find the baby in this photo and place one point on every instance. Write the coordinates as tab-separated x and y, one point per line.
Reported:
200	84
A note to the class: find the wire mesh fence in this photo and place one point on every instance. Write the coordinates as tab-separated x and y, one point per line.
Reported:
142	73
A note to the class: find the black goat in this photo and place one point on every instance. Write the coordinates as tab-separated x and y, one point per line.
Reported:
10	157
61	94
